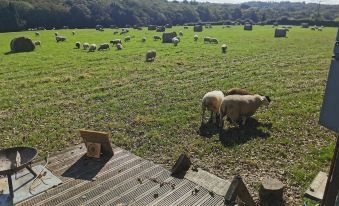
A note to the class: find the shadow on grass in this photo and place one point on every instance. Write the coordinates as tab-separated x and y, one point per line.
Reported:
209	129
235	136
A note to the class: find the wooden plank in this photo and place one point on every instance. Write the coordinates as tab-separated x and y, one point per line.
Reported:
317	188
97	137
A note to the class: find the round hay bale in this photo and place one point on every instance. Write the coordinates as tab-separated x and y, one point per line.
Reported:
22	44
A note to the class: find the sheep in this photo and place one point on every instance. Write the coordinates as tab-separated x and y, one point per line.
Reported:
240	107
116	32
60	38
37	43
211	101
116	41
85	46
150	55
214	40
239	91
207	39
175	41
103	46
155	38
119	46
92	48
181	33
195	38
77	45
223	48
143	39
127	38
73	33
37	34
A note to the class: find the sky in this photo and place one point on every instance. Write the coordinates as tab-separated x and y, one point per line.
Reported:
240	1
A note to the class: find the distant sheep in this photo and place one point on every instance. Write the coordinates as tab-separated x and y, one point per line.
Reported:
92	48
239	91
223	48
195	37
214	41
240	107
127	38
37	34
119	46
116	32
207	39
77	45
155	38
85	46
104	46
37	43
175	41
60	38
150	55
116	41
211	101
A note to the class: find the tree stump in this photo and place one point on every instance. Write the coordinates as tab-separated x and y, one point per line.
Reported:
271	192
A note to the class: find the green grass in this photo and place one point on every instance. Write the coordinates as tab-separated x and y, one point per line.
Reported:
153	109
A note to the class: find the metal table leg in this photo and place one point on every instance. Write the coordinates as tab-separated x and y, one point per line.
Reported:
10	186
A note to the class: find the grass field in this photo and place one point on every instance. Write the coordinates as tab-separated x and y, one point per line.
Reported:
153	109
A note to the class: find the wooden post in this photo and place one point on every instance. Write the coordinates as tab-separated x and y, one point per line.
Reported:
238	189
271	192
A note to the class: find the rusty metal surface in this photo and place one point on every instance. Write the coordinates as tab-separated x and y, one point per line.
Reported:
124	179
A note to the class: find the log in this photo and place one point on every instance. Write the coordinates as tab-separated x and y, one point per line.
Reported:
271	192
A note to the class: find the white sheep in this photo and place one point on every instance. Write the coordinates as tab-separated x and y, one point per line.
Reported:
195	37
37	33
214	40
116	41
92	48
223	48
119	46
211	101
85	46
175	41
77	45
104	46
240	107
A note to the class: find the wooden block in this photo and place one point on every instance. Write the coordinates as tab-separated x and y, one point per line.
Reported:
271	192
98	137
317	188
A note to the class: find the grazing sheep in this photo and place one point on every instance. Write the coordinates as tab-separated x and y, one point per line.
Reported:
223	48
195	37
240	107
60	38
155	38
214	40
150	55
238	91
175	41
116	41
116	32
143	39
37	43
73	33
211	101
119	46
207	39
104	46
181	33
127	38
77	45
85	46
92	48
37	34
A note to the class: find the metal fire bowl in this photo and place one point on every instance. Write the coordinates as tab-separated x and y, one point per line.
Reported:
8	164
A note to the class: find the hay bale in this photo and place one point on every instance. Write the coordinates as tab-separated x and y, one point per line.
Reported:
167	37
22	44
280	32
197	28
248	27
161	29
152	27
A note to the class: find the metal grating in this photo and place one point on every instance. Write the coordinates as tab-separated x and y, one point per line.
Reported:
125	179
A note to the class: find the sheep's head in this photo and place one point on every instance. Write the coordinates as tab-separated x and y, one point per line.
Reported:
266	100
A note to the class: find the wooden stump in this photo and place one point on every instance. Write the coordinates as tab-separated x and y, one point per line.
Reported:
271	192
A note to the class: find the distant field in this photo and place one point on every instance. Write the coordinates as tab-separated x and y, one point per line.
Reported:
153	109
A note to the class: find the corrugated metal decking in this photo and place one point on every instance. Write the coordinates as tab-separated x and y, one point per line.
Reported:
125	179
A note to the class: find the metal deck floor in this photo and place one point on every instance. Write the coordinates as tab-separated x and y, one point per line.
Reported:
124	179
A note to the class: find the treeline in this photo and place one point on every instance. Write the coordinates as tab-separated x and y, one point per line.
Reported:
22	14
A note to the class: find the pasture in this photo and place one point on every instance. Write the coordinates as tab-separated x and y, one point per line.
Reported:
153	109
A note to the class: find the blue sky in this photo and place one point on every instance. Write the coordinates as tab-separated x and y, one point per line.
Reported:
240	1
